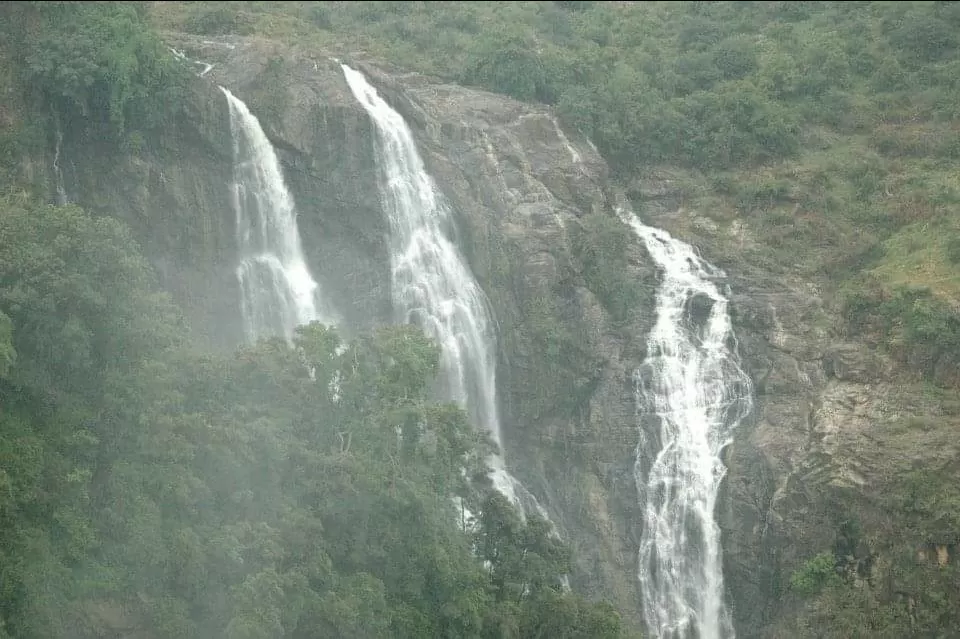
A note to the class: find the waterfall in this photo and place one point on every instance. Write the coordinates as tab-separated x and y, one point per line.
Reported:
277	291
180	55
432	285
62	198
691	395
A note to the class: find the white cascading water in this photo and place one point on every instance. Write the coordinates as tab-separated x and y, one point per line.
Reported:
277	291
62	198
180	55
432	285
693	393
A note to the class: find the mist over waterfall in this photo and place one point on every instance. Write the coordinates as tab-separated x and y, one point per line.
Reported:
277	291
691	395
432	285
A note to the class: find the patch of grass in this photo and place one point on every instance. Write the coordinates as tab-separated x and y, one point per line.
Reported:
919	328
936	140
952	250
924	254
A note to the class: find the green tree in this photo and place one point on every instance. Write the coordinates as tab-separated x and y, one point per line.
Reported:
98	59
508	61
8	355
815	574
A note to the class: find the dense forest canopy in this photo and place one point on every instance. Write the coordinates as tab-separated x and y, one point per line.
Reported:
146	486
278	492
304	491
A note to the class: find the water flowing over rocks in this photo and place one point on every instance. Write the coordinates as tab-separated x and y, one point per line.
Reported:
518	186
432	285
822	441
699	394
277	291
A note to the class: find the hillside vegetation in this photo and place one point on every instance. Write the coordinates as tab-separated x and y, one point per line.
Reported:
279	492
145	487
148	490
831	129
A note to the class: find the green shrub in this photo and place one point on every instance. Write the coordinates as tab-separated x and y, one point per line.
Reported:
762	194
506	62
865	174
736	125
100	60
860	301
815	575
735	57
952	249
929	499
917	142
575	5
926	327
923	37
698	33
10	153
218	18
601	245
319	16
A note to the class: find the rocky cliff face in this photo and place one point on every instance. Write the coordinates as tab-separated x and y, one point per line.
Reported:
837	430
520	187
822	442
172	191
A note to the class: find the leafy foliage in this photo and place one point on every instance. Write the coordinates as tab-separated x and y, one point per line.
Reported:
275	492
101	60
601	243
922	329
8	355
814	575
704	84
914	601
826	130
